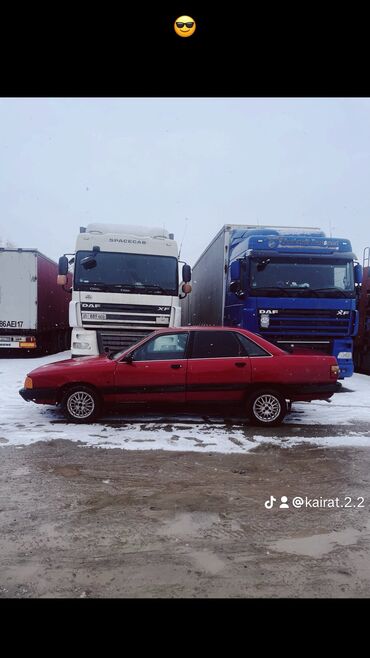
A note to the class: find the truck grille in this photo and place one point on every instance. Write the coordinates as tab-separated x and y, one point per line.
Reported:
118	340
132	316
309	322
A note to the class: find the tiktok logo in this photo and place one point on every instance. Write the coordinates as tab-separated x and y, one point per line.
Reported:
270	502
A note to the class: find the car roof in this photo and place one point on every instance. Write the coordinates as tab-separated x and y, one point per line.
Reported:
171	330
198	328
263	342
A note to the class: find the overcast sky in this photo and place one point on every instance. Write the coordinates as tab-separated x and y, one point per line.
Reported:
292	162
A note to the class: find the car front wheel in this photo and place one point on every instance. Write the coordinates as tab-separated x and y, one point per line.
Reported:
267	408
81	404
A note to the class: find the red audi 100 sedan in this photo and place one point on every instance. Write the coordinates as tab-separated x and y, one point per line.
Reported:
193	366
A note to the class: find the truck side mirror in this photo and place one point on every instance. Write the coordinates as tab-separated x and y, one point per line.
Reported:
236	285
186	273
63	265
357	273
235	274
235	271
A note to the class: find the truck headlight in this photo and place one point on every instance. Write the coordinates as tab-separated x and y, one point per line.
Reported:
264	320
81	346
344	355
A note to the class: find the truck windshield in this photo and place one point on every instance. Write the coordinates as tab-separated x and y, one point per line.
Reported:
303	276
117	272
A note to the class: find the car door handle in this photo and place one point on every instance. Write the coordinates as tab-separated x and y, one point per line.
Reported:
176	366
240	364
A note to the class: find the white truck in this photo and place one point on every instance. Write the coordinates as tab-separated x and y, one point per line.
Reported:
125	285
33	309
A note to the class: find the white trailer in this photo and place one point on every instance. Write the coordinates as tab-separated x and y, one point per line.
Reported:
33	309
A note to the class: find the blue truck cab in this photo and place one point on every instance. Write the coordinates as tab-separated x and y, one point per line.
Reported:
295	286
298	290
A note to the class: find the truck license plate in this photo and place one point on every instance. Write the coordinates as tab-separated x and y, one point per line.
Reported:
161	319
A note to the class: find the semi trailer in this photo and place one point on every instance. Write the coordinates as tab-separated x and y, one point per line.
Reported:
294	286
33	308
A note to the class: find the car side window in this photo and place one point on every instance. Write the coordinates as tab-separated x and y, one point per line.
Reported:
163	348
251	348
216	344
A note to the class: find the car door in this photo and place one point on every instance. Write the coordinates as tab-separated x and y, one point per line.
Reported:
157	372
218	367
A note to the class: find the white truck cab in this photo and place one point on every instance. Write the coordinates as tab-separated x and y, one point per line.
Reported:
125	285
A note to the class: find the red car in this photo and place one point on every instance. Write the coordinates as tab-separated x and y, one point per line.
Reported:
188	365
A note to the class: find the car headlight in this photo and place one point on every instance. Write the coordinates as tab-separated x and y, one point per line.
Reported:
28	383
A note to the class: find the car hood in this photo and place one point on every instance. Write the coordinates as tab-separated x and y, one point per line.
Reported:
69	363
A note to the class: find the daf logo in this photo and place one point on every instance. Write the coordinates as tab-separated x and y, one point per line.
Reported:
90	305
269	310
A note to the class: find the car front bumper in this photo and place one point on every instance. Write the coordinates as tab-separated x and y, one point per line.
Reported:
40	395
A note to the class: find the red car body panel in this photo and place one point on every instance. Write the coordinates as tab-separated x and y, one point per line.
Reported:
291	369
222	379
230	374
153	381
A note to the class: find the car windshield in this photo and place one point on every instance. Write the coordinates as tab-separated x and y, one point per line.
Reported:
303	276
122	272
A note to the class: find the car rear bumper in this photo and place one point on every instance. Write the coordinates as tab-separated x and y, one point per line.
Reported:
41	395
315	391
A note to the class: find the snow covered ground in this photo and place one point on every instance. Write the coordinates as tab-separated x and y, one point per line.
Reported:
23	423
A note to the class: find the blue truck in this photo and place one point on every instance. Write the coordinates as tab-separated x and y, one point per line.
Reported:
294	286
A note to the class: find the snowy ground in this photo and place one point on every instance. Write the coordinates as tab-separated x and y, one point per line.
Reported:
343	422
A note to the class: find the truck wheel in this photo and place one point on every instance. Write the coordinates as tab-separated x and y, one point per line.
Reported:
81	404
266	407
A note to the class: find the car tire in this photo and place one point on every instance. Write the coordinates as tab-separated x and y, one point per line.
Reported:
266	408
81	404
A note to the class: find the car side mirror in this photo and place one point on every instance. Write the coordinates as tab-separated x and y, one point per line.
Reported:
128	359
234	286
